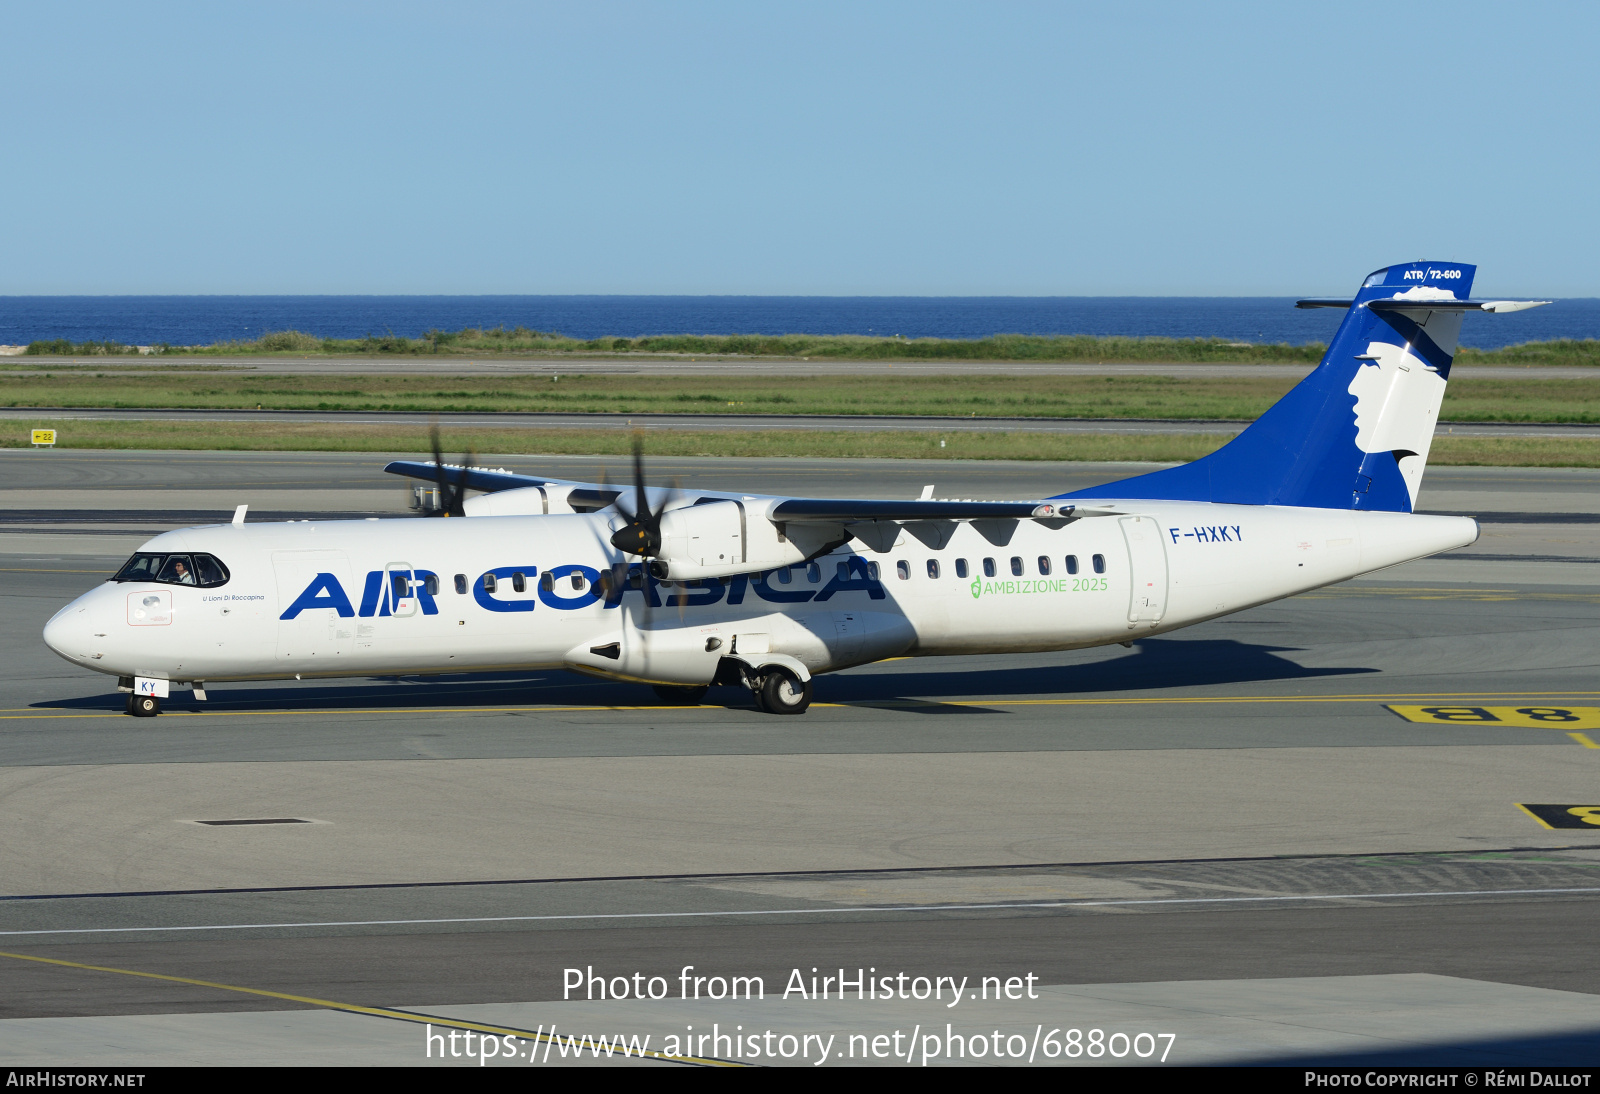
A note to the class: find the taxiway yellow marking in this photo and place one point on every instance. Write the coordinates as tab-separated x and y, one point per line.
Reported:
1570	817
23	713
1446	593
353	1008
1521	717
1532	814
1583	739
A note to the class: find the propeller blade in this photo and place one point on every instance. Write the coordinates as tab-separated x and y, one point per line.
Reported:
439	479
642	534
643	500
458	497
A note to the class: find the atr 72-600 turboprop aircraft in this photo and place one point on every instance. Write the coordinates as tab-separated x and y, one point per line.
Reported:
684	589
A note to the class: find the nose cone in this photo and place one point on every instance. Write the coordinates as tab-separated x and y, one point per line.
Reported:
65	634
72	633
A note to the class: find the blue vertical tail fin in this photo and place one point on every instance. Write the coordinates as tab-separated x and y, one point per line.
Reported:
1355	433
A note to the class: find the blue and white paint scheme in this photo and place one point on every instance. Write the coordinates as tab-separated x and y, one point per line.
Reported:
765	591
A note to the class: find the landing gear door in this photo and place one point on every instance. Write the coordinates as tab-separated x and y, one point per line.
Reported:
399	589
1147	564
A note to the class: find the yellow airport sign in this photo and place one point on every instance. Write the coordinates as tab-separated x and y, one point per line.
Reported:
1527	716
46	437
1583	817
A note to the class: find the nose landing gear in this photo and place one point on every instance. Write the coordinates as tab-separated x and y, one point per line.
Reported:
144	706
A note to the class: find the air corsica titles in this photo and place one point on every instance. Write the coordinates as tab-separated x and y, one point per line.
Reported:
325	591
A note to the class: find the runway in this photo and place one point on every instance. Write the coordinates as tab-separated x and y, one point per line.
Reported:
852	423
1226	834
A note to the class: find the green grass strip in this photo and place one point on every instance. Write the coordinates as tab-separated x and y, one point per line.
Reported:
522	342
1571	400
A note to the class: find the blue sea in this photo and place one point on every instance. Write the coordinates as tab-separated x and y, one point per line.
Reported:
200	320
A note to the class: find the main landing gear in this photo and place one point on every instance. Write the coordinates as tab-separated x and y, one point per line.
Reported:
776	689
779	692
144	706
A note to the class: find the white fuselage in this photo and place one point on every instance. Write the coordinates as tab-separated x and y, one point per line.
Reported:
365	605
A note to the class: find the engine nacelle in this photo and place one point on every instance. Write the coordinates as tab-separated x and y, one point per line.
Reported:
725	538
522	501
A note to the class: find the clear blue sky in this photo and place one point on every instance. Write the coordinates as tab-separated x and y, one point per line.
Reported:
851	148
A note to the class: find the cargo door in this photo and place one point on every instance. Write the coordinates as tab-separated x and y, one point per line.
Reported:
1147	566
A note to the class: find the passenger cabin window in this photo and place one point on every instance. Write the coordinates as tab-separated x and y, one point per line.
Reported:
461	584
401	583
961	567
579	583
785	576
1072	564
547	583
1044	565
933	568
843	570
988	567
902	570
1016	565
519	583
1099	564
813	573
489	583
431	583
872	568
205	571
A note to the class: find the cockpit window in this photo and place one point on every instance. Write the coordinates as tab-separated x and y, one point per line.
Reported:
190	569
140	568
210	572
179	570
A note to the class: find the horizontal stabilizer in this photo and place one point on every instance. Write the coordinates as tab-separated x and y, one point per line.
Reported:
1456	305
1493	306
